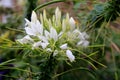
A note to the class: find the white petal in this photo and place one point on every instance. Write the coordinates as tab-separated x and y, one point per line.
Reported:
63	25
55	53
47	34
21	41
28	38
27	22
25	40
36	45
44	45
43	38
34	17
44	15
64	46
79	43
81	36
70	55
76	32
29	31
49	23
85	35
34	28
53	34
39	27
49	49
60	34
57	15
83	43
72	23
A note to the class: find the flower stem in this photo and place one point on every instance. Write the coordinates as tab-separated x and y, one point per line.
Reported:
48	69
48	3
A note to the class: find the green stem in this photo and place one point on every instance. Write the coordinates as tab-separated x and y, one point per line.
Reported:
115	73
80	68
49	68
6	62
48	3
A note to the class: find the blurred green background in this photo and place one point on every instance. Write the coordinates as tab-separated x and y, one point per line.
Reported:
104	33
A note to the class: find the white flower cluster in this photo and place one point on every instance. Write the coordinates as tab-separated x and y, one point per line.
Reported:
54	34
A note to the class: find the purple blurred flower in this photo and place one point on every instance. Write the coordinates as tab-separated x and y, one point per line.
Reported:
4	71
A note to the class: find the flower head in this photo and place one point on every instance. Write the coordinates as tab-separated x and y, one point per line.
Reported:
58	35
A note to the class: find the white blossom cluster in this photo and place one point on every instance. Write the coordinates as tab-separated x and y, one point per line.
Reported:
54	34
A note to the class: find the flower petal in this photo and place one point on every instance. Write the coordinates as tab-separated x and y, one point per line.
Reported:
72	23
39	27
83	43
58	16
55	53
44	45
47	34
29	31
25	40
79	43
34	17
28	38
28	23
43	38
85	35
49	49
53	34
63	25
70	55
36	45
64	46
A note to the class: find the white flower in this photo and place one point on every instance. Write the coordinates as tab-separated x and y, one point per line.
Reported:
25	40
64	46
72	23
34	27
55	35
70	55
